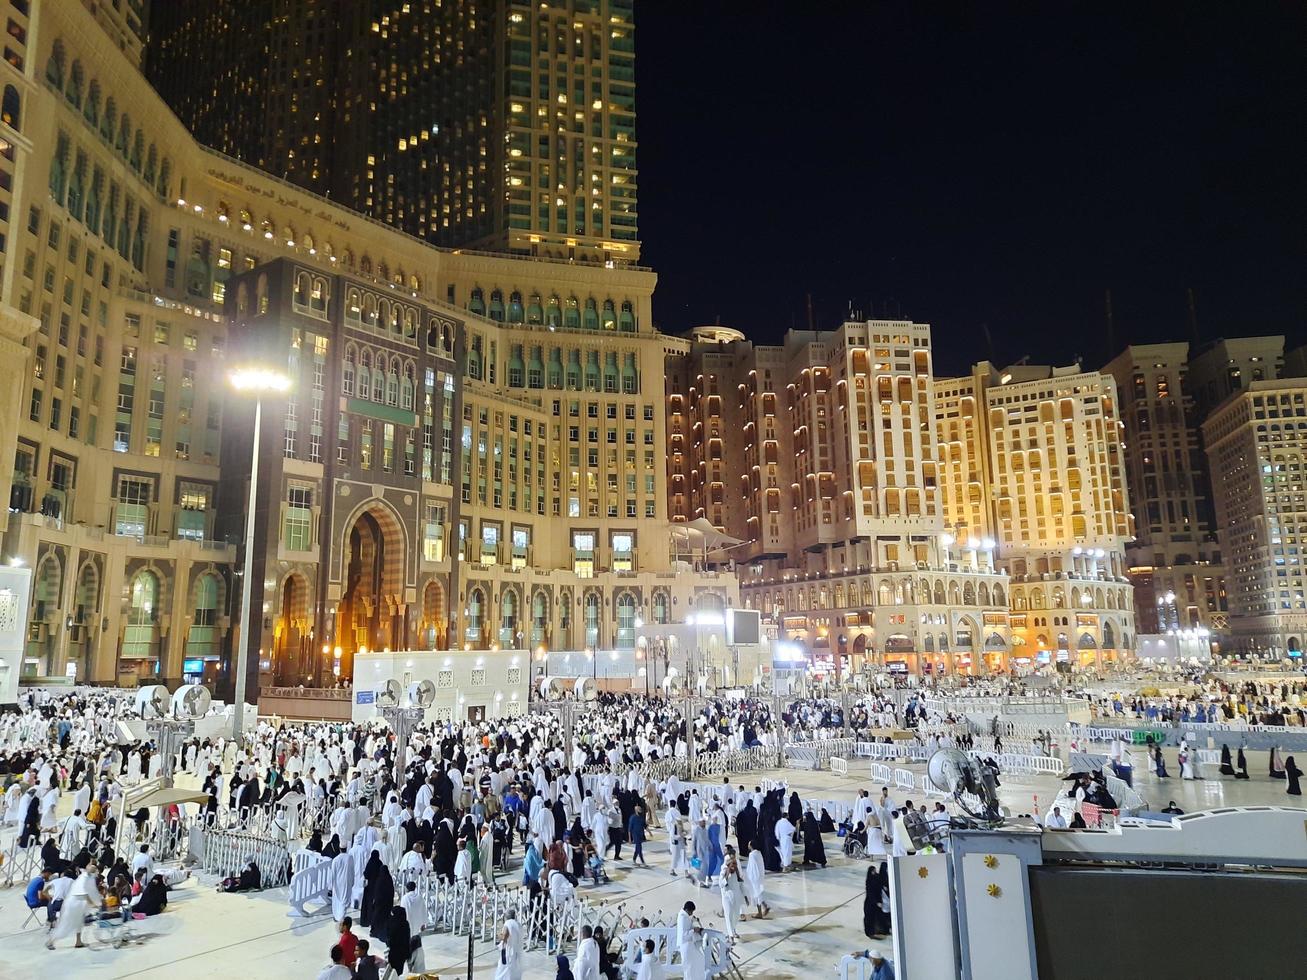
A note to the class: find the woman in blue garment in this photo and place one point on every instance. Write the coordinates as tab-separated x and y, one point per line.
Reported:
715	854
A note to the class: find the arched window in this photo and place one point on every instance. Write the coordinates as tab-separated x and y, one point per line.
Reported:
76	80
406	389
347	372
626	608
572	315
11	108
141	633
539	618
476	602
202	637
49	583
661	610
477	302
590	608
515	312
554	313
626	318
365	374
609	318
508	620
109	121
55	67
497	306
590	321
91	111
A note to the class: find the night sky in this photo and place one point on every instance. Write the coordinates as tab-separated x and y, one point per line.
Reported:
976	165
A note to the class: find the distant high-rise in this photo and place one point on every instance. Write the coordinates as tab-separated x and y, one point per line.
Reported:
505	125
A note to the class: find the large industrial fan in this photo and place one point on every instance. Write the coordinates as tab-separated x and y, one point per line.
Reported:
971	784
191	702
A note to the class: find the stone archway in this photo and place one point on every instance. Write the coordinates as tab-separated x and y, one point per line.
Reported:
370	614
435	625
291	655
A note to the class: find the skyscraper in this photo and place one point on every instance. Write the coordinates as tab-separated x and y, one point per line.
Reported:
505	125
1255	440
1174	560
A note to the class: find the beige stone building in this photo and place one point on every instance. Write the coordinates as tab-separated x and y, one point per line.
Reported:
1256	440
820	454
1030	459
122	240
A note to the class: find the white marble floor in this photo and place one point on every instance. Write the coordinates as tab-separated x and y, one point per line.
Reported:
816	918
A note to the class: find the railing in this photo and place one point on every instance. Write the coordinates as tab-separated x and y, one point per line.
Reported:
881	773
225	852
310	693
839	766
310	882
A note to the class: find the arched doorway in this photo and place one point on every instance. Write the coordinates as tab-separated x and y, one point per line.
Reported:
434	626
86	617
370	614
508	619
202	637
539	619
141	637
291	637
45	616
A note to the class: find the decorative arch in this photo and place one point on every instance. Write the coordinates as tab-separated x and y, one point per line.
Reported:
510	610
434	625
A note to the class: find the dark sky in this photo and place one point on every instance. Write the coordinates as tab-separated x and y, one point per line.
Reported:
972	164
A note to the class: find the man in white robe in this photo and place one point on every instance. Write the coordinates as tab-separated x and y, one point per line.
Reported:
587	956
785	841
342	885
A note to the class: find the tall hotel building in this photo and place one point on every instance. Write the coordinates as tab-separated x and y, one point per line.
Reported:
1175	560
499	124
470	453
820	454
1257	441
1030	458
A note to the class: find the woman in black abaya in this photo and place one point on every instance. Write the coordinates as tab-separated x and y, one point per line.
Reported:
371	876
383	906
814	851
445	855
399	942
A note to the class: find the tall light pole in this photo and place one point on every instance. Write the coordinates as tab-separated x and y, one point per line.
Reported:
258	382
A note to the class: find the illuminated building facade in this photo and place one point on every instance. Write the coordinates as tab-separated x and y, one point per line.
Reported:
125	252
821	455
503	124
1174	560
1030	456
1257	441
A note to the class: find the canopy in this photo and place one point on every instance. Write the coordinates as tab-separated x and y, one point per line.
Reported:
700	535
164	795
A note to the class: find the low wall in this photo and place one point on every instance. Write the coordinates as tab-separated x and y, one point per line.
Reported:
307	705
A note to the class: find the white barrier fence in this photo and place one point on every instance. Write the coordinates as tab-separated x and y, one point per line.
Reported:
310	882
881	773
905	779
839	766
226	852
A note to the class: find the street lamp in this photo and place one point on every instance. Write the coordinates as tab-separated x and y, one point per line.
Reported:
258	382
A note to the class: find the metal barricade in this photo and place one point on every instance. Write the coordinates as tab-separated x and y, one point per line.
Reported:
225	854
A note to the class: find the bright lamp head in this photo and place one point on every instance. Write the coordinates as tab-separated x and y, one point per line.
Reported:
257	379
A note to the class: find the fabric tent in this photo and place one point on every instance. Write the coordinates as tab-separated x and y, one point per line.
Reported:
699	537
